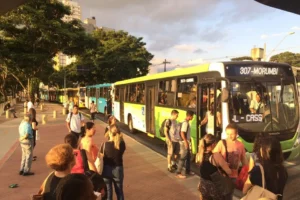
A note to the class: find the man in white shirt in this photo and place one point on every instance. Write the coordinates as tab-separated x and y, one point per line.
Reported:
75	122
256	104
29	105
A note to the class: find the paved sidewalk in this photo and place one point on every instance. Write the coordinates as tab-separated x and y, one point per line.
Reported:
146	176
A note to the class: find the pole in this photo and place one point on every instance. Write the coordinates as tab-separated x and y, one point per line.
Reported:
65	84
165	63
265	52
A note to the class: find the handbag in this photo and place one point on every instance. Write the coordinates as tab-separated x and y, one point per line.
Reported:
37	135
97	179
260	193
223	183
99	161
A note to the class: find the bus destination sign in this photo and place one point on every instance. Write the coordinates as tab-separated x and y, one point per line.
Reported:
254	70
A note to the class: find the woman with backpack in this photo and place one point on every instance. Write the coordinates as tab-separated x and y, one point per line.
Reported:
113	171
271	166
209	164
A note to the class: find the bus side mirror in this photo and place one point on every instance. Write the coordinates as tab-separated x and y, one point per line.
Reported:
225	95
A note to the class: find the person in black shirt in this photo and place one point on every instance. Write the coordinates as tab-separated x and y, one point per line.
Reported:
34	125
271	160
113	171
60	159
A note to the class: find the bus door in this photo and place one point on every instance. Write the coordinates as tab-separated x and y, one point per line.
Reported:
209	109
150	114
122	98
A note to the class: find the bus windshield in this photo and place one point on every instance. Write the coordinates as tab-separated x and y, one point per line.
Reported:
260	106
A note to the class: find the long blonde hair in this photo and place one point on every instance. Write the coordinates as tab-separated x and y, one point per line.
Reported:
205	142
116	135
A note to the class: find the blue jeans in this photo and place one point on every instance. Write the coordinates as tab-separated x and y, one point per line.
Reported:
114	175
27	148
183	157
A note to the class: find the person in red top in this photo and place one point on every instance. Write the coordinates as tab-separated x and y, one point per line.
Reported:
73	142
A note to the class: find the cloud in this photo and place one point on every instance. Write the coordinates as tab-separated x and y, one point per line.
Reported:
200	51
165	24
265	36
295	28
185	47
195	61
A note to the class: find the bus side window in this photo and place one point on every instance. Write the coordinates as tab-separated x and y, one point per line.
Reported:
186	91
140	91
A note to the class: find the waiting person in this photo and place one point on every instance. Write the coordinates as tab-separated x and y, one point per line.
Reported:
275	173
11	109
26	142
209	120
255	155
34	124
209	163
75	187
185	154
111	121
93	110
87	143
60	159
171	140
232	150
72	140
71	105
75	121
113	171
29	105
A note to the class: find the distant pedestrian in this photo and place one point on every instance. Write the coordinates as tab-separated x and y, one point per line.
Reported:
26	142
271	164
75	122
71	105
34	124
87	143
172	141
60	159
113	171
75	187
93	110
25	104
185	154
29	105
209	164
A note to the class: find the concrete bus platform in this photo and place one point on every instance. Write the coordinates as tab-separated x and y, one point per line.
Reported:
146	176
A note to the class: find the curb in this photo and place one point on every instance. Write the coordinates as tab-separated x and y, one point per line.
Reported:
9	153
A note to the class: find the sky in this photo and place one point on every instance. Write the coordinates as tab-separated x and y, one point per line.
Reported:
198	31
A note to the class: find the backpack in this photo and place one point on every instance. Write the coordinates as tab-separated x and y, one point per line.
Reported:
162	126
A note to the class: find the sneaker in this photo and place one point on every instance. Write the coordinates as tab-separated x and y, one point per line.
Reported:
190	173
21	172
174	166
181	176
171	170
28	173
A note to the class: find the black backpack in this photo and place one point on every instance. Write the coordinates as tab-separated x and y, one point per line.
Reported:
162	126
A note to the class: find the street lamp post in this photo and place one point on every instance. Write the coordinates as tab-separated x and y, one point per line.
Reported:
291	33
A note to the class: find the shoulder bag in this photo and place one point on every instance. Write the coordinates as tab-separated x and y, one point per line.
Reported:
260	193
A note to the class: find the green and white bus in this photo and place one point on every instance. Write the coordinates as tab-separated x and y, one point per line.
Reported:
225	89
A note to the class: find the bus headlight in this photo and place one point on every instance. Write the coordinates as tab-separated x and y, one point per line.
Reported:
297	142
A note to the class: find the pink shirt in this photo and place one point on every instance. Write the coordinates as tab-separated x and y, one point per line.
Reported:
236	155
78	167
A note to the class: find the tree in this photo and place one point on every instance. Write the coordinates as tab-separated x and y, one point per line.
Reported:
117	56
290	58
241	58
33	34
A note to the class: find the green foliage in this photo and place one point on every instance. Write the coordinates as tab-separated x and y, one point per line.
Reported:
117	56
34	33
241	58
290	58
